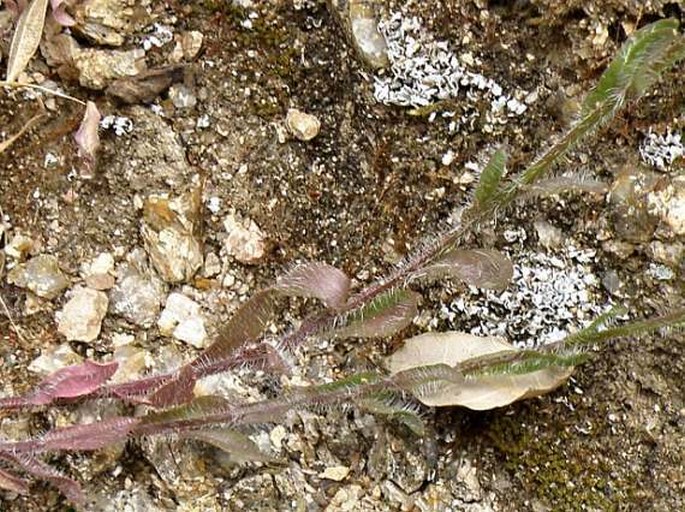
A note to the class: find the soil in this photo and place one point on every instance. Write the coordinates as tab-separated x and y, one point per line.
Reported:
366	191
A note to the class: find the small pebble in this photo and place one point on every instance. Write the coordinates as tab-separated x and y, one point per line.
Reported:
137	298
245	241
54	359
302	125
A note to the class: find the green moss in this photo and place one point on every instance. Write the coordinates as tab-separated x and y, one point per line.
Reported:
553	464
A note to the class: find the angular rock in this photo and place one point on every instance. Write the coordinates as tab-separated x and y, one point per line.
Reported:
81	317
41	275
669	203
98	272
182	319
632	219
187	46
170	231
182	96
153	157
98	68
360	22
136	297
106	22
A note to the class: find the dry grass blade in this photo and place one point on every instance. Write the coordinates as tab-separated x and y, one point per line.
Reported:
30	124
26	38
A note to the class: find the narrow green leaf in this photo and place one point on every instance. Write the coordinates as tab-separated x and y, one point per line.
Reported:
490	179
638	64
384	316
393	406
198	409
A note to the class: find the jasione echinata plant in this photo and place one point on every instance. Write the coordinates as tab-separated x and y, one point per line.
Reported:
437	369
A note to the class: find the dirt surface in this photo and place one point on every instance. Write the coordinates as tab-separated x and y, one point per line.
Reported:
366	191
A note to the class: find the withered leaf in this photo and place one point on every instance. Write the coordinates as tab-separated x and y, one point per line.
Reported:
87	138
477	392
26	38
146	86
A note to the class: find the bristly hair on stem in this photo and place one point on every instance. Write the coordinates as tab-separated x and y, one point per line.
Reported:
477	373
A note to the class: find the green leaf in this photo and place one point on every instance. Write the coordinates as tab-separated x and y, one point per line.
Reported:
638	64
384	316
393	406
201	408
490	179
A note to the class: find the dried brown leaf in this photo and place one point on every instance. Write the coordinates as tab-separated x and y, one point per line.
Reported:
26	38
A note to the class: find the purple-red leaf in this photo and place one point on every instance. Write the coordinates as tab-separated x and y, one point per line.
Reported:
178	390
318	280
246	325
386	315
482	268
87	138
72	381
36	467
92	436
12	482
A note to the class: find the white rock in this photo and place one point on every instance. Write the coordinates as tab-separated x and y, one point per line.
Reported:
137	298
182	319
245	241
98	272
277	435
335	473
302	125
81	317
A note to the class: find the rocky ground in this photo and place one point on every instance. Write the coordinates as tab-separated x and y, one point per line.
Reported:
276	142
